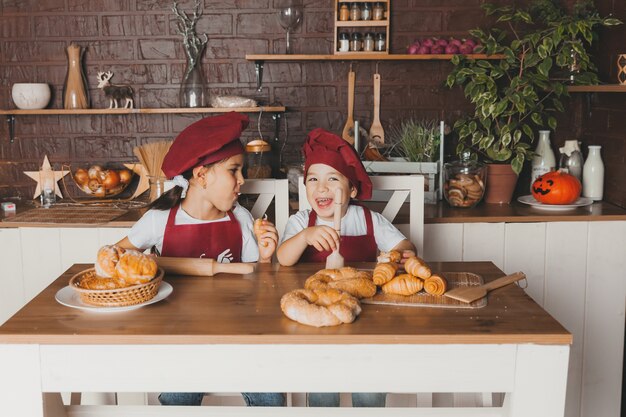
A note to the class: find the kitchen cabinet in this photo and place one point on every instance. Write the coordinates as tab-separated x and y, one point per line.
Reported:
577	272
369	25
12	293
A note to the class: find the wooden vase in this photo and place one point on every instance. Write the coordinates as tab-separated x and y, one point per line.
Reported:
621	69
75	90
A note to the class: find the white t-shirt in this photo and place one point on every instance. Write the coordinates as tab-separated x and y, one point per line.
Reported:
352	224
150	229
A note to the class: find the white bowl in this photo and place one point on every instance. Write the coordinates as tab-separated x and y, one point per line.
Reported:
31	96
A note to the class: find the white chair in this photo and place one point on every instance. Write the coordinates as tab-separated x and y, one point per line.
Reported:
268	190
401	187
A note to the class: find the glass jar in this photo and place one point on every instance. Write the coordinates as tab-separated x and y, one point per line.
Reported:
464	182
356	42
378	11
366	12
258	159
344	12
355	11
381	43
343	42
368	42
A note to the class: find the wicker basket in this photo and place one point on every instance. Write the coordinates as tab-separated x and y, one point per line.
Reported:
118	297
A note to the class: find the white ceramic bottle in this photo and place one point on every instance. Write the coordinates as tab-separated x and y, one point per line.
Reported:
593	174
544	160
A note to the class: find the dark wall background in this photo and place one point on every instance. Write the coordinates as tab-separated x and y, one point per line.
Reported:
137	40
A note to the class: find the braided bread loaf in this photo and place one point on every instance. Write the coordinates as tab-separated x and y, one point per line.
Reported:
320	308
356	283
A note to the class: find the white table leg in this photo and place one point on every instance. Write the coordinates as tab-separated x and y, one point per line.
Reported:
20	381
540	382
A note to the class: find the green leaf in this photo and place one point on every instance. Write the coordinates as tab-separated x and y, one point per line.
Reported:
537	119
506	139
528	131
552	123
518	163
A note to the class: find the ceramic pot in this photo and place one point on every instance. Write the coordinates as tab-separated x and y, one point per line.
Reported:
30	96
501	180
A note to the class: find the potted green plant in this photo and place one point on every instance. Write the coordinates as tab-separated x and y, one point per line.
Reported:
516	96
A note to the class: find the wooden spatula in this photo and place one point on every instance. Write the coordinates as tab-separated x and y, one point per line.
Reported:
349	126
377	134
469	294
201	266
335	260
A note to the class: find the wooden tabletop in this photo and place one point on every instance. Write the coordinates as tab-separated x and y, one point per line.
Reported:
245	310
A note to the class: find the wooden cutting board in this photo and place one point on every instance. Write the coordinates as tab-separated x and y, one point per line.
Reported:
422	299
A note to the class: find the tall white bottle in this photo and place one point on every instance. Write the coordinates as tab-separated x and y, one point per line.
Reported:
544	160
593	174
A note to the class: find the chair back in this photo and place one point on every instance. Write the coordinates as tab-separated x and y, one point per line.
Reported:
403	188
269	189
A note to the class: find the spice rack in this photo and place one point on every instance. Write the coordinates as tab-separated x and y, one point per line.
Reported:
351	25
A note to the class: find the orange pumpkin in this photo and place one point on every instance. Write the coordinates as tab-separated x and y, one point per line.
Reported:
556	187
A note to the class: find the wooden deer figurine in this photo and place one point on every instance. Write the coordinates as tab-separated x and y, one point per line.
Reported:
115	93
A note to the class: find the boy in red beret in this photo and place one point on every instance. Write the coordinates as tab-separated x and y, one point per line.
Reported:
200	216
331	163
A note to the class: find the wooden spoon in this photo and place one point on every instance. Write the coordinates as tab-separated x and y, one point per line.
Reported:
377	133
347	134
469	294
335	260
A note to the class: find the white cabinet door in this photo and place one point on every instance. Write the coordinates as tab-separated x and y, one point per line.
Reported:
12	294
111	235
78	245
524	250
443	242
484	242
41	258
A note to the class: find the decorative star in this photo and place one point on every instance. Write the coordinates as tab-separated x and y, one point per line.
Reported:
57	176
143	185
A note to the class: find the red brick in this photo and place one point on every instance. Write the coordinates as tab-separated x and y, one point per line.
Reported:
160	49
419	21
16	27
97	5
131	25
235	48
258	23
29	6
74	26
280	72
113	50
103	148
307	95
321	22
29	51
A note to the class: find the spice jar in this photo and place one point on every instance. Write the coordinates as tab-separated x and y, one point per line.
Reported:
355	12
344	12
258	159
381	43
464	182
378	11
366	12
368	42
343	42
356	42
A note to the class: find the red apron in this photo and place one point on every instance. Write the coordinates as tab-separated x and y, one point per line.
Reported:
217	240
361	248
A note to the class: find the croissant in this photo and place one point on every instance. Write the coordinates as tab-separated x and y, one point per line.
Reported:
435	285
384	272
391	256
404	284
417	267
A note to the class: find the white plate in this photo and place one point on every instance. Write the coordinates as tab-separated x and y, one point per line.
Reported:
70	298
530	200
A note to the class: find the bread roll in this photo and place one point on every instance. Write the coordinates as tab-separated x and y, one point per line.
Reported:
107	259
435	285
136	268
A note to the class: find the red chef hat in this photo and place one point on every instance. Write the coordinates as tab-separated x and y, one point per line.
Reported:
205	141
322	147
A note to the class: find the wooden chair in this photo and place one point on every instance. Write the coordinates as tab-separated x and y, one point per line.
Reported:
403	188
269	190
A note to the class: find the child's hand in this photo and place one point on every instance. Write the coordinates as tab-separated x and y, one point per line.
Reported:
267	239
406	254
321	237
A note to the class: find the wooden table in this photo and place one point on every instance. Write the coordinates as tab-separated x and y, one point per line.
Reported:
227	334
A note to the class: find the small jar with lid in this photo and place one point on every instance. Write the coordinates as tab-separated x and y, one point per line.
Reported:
368	42
464	182
258	158
344	12
343	42
356	42
381	42
355	11
366	11
378	11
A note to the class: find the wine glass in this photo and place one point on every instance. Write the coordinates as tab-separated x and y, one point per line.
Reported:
289	17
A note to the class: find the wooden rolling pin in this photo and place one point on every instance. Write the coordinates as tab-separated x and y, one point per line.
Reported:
201	266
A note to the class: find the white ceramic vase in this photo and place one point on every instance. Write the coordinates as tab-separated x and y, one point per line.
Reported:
31	96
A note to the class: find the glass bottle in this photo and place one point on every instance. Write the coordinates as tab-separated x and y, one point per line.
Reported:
544	160
356	42
258	159
593	174
572	159
343	43
368	42
381	43
366	12
193	87
378	11
355	12
344	12
75	89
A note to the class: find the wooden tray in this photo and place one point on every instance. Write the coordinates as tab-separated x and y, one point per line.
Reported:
74	214
422	299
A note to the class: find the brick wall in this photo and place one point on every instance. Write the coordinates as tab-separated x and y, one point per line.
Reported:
137	40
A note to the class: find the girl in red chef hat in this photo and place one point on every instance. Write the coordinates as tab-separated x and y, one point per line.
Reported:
200	216
331	163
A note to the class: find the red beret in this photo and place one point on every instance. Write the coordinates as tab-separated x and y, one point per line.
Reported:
205	141
322	147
